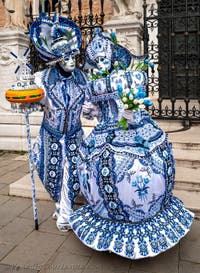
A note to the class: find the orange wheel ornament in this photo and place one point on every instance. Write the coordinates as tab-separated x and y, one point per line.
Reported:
24	96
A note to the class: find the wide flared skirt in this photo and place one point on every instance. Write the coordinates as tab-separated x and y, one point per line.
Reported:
147	238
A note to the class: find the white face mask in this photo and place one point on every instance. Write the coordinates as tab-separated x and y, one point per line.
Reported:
103	63
68	63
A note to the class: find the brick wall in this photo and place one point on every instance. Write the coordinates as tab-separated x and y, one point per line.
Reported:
2	14
96	8
85	9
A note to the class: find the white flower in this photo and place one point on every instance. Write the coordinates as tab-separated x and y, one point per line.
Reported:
125	106
124	99
141	106
116	63
131	97
141	101
136	101
135	91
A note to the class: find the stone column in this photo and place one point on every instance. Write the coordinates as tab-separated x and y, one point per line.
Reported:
12	125
127	23
129	32
10	40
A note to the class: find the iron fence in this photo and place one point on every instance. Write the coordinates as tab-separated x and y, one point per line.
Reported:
172	40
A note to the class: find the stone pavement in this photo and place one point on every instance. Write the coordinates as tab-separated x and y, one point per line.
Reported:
24	250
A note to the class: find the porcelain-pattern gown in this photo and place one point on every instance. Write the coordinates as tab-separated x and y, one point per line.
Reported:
127	178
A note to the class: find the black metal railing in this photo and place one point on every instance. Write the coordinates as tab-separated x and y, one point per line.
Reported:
86	22
172	40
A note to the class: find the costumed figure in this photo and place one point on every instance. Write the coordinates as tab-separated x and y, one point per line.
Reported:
126	167
58	41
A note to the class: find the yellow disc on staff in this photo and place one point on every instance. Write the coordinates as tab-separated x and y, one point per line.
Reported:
24	96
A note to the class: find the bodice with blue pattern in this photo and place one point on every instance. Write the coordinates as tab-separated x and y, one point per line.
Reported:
125	175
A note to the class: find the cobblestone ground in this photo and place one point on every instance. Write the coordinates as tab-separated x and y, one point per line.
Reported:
24	250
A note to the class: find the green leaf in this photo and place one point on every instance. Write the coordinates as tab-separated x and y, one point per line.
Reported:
116	68
132	64
44	39
123	123
122	66
107	72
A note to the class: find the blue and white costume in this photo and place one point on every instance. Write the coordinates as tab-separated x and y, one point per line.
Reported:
127	178
57	41
61	126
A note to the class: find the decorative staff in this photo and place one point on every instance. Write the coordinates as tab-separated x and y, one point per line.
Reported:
24	96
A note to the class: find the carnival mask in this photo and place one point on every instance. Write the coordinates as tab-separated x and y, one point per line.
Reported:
103	63
68	63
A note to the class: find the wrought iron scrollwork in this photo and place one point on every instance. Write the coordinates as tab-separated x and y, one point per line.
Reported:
172	40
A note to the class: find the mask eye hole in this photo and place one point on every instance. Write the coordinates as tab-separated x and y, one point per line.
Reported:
100	59
66	59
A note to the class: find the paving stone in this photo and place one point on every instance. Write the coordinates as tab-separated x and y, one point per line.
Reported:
187	267
16	230
12	166
74	246
34	251
4	190
166	262
50	226
2	185
13	208
107	262
12	269
65	262
139	271
24	157
14	175
45	209
69	258
4	199
190	244
6	158
5	248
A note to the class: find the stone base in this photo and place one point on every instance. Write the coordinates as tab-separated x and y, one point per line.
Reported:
13	136
22	187
11	40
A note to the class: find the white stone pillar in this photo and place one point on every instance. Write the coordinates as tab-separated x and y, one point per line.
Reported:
10	40
129	32
12	125
35	6
127	23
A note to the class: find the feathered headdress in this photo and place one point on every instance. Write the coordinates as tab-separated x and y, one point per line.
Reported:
55	38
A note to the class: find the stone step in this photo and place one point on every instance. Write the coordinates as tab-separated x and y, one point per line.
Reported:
22	187
187	158
186	140
187	179
185	145
191	200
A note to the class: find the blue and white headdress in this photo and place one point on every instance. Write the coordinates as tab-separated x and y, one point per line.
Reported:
55	38
102	46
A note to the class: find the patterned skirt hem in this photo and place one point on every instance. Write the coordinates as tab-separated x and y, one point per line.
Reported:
133	240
